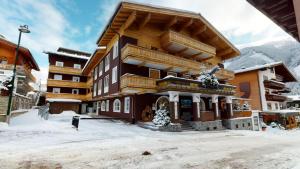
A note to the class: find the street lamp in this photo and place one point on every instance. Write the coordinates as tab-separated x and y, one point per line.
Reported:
22	29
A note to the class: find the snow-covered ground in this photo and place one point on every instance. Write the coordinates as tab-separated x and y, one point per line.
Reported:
30	142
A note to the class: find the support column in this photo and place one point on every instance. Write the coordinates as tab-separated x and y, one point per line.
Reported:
196	107
174	106
215	100
229	106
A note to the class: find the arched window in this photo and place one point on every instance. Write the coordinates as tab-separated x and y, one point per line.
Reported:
103	106
117	105
202	105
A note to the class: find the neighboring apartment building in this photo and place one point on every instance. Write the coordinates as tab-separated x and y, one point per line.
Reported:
150	56
285	13
67	88
25	64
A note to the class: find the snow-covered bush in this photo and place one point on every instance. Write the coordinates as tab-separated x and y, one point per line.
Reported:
6	83
246	106
161	118
208	80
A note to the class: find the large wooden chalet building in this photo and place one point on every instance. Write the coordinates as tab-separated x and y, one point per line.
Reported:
149	55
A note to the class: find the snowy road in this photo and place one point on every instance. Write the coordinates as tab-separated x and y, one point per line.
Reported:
30	142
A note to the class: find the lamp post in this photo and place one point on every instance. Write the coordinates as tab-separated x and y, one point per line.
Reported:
22	29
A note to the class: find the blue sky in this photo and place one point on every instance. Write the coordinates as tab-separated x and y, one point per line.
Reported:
78	23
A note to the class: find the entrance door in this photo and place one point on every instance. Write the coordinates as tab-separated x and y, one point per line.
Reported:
186	108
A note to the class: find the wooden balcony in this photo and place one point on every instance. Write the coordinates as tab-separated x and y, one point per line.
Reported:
242	113
90	82
137	84
20	71
275	97
273	84
88	97
66	96
155	59
186	46
64	70
66	83
185	85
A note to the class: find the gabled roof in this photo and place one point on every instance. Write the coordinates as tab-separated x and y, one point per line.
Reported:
163	15
84	57
280	69
26	52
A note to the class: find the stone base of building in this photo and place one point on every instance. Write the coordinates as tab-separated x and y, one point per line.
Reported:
2	118
207	125
173	127
239	123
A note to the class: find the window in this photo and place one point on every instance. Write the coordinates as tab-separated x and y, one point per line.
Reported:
100	68
57	77
269	105
117	105
95	89
95	72
75	91
76	79
106	62
56	90
172	74
3	60
77	66
107	105
114	75
154	73
127	105
100	87
106	83
115	50
103	104
60	64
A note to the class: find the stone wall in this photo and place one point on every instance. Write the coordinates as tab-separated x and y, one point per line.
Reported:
207	125
239	124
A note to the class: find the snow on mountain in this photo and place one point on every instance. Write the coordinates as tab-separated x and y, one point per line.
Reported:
286	51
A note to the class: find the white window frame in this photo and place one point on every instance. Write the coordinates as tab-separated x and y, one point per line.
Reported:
117	106
95	89
107	106
103	106
100	87
126	104
100	68
106	62
59	64
57	77
116	50
114	77
56	90
76	79
95	72
75	90
77	66
106	84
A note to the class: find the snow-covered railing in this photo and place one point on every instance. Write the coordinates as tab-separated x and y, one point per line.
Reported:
44	112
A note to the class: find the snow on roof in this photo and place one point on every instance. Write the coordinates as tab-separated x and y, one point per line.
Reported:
64	100
68	55
256	67
284	111
294	97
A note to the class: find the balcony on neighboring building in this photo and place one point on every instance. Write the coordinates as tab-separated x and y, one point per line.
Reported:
186	85
137	84
67	96
64	70
186	46
273	84
141	56
66	83
275	97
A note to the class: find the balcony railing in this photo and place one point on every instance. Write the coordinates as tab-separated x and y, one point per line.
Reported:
275	97
142	56
66	83
20	70
185	85
274	84
64	70
242	113
176	42
66	96
137	84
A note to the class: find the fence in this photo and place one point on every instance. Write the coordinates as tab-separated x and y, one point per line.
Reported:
44	112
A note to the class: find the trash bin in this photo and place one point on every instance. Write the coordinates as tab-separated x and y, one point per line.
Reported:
75	121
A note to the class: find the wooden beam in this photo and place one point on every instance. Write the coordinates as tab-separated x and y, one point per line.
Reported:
200	30
145	21
169	68
224	52
128	22
171	23
142	64
179	53
196	55
185	71
213	40
185	25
